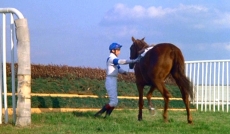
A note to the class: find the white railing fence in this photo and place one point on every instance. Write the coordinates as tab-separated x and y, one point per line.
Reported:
211	84
8	38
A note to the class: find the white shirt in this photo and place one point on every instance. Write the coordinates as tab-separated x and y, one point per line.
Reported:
113	65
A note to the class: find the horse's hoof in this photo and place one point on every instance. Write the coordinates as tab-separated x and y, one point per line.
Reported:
139	118
166	121
152	111
190	120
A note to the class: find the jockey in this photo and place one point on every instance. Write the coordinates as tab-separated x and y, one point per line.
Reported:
112	70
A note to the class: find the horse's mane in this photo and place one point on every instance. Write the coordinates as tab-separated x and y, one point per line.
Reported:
142	46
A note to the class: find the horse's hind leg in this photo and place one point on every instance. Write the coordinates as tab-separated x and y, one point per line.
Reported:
166	95
152	110
185	97
179	79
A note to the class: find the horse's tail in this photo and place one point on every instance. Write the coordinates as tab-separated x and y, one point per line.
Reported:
178	73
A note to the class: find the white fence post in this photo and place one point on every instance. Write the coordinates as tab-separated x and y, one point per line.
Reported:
4	68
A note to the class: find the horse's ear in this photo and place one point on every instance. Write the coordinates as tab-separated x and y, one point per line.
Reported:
143	39
133	39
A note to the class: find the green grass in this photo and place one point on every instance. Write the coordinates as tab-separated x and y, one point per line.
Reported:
120	122
123	122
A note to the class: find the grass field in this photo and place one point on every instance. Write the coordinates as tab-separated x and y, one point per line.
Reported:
55	79
123	122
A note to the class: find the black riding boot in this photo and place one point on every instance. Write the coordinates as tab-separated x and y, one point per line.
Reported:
109	111
103	109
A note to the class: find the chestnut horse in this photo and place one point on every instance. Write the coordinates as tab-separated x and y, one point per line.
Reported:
152	70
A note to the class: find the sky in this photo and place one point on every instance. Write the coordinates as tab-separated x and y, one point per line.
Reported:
78	33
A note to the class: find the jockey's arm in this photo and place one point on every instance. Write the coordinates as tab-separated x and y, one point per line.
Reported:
124	61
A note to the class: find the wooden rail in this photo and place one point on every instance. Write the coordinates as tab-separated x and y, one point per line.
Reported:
46	110
91	96
43	110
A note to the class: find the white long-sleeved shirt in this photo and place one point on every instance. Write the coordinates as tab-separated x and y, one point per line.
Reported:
113	65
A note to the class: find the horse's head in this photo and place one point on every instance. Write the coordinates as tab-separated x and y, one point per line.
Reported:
135	48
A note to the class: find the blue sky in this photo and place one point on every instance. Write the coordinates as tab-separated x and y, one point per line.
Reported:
78	33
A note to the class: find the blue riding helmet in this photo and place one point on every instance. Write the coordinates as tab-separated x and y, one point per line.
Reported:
114	46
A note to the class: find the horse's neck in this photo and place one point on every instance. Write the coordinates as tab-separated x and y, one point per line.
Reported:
144	60
142	67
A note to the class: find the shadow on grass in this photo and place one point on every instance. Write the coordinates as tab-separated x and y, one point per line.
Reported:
42	103
83	114
88	115
55	103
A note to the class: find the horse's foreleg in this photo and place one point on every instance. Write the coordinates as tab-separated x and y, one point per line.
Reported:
141	101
